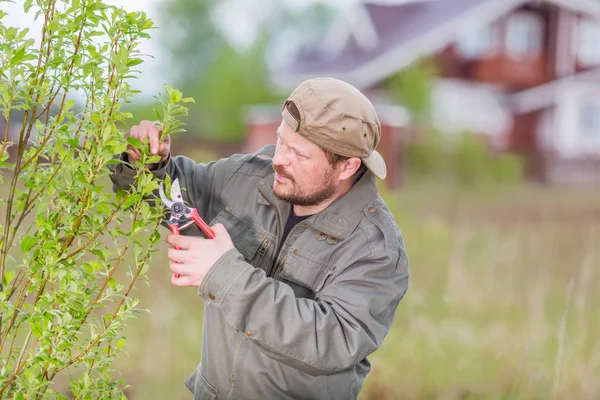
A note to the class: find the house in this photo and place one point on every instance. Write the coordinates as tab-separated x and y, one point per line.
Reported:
525	74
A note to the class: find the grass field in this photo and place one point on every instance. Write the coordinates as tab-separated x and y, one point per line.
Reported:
501	304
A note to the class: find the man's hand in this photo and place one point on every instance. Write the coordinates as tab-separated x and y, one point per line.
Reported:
197	255
148	130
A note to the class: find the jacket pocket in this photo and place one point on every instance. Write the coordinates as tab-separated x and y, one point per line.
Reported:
306	271
204	390
246	239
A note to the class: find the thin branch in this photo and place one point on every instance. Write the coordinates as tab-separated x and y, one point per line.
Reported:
18	370
115	313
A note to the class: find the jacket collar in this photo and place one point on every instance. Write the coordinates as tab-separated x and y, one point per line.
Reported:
341	217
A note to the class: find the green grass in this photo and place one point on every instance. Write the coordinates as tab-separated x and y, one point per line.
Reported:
502	302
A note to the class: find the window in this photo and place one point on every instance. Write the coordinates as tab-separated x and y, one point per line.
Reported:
524	35
589	120
475	43
589	42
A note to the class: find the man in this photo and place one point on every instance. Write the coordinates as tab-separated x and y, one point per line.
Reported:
308	265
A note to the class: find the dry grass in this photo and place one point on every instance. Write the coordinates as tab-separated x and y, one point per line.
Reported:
502	300
502	303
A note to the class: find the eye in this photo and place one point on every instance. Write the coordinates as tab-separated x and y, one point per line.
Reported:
301	156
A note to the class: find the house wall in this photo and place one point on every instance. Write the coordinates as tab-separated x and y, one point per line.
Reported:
461	106
499	53
585	42
561	42
569	129
578	120
561	143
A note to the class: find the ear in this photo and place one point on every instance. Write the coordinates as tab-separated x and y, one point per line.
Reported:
349	167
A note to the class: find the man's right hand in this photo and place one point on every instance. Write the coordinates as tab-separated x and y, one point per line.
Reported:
148	130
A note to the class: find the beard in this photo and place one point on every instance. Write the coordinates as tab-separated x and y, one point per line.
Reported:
306	197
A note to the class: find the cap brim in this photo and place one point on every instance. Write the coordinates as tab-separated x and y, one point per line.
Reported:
376	164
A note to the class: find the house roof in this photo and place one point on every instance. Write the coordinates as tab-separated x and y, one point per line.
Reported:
404	32
549	94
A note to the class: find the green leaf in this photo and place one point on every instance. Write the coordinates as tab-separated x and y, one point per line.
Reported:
41	220
106	132
188	100
132	199
133	62
9	276
27	243
27	5
144	269
135	142
103	208
53	25
150	186
18	56
176	96
121	343
145	210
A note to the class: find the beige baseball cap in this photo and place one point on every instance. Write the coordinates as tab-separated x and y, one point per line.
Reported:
337	117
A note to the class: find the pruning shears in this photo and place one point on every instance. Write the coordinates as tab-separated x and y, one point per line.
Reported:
182	216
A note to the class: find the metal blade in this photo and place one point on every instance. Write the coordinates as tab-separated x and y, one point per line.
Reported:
176	191
163	197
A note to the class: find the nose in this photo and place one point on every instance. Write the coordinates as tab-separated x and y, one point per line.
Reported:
281	157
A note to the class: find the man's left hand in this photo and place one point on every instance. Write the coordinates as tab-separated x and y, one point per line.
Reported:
197	255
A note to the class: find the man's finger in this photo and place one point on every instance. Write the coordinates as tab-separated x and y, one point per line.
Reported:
163	149
183	242
219	229
180	256
133	152
181	269
181	281
153	135
150	130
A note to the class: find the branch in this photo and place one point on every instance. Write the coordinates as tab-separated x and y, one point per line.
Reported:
117	309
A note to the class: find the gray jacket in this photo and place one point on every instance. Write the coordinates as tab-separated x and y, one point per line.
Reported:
296	321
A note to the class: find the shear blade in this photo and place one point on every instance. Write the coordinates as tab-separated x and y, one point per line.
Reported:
163	197
176	191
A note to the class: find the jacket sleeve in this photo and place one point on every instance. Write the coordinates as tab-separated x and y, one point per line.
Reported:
345	322
201	183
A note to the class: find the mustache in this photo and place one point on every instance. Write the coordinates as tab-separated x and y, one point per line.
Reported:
282	172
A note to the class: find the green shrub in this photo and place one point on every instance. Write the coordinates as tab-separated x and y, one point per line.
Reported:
465	159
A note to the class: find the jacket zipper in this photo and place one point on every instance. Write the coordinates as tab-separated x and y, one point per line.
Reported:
262	251
276	254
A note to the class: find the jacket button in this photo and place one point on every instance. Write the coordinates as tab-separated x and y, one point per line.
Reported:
226	208
215	391
333	268
211	296
296	252
249	334
372	209
265	235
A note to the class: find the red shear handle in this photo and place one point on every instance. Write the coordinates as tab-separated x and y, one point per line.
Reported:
175	230
200	222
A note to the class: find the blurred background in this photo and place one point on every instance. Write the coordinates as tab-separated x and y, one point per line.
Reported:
491	133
